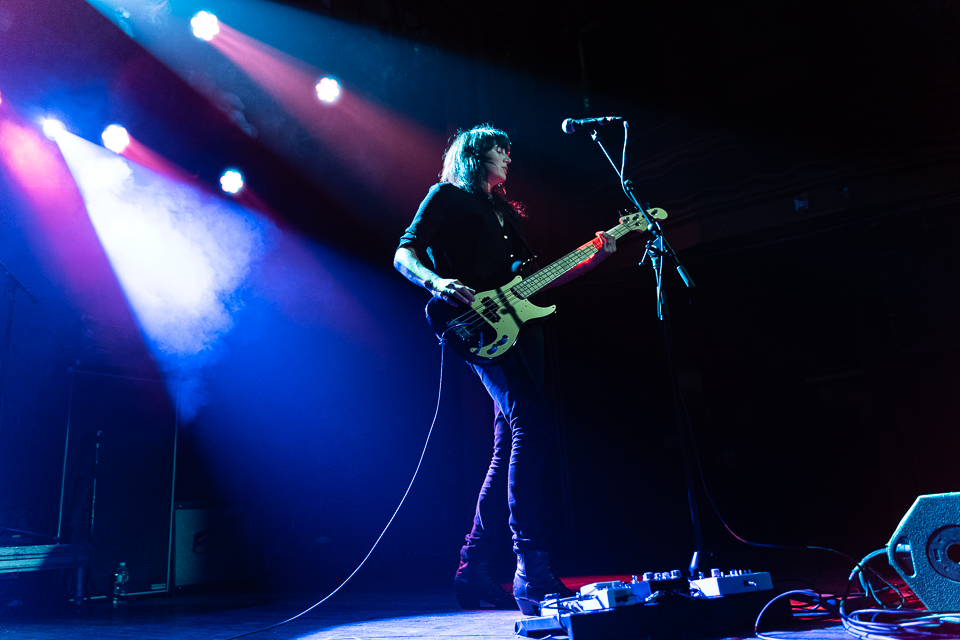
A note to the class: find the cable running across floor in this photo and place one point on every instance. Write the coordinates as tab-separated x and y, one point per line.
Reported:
403	499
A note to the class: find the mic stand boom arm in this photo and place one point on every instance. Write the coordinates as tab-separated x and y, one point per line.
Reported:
654	226
658	249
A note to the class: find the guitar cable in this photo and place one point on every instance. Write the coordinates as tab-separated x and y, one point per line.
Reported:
376	543
930	627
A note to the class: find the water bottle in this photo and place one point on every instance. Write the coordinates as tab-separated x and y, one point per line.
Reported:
121	579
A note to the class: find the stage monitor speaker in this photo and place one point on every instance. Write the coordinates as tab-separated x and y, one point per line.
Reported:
118	478
925	550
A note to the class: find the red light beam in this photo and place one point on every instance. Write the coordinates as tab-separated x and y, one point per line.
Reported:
389	153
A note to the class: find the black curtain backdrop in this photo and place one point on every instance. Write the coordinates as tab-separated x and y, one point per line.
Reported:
809	169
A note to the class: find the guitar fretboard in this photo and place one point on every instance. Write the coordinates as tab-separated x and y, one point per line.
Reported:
554	270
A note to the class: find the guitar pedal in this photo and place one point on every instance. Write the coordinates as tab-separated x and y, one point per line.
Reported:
737	581
607	595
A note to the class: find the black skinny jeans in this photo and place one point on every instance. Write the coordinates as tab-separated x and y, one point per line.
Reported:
523	430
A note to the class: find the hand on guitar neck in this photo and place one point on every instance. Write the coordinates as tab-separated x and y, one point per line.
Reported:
605	246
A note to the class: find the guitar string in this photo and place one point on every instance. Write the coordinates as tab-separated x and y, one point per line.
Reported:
553	270
503	297
477	316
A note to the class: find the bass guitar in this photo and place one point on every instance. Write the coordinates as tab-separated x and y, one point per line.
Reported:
485	331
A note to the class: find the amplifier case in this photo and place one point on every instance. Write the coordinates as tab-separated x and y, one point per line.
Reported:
118	478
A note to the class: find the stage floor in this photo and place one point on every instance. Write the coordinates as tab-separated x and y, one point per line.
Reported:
353	614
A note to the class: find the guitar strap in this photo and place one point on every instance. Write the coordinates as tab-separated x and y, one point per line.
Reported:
518	230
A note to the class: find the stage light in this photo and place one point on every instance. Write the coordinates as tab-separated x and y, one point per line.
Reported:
115	138
52	128
205	25
179	253
231	181
328	89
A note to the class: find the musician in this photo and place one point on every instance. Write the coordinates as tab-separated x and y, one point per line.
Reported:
467	237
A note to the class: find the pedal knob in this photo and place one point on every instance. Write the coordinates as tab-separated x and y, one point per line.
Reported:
715	573
648	576
675	574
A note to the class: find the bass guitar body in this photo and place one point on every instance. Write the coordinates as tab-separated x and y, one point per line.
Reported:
485	331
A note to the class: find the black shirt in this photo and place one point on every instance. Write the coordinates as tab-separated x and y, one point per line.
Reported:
460	234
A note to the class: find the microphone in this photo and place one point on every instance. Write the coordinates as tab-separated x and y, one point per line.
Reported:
570	125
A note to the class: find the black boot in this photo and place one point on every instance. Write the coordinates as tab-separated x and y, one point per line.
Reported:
473	583
534	580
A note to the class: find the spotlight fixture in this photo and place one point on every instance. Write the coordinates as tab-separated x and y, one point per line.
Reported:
231	181
328	89
115	138
52	128
205	25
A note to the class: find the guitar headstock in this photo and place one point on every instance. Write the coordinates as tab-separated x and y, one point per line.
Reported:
636	222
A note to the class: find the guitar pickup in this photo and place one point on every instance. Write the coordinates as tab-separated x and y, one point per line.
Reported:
490	310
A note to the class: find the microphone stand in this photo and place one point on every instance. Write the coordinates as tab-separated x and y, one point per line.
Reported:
660	251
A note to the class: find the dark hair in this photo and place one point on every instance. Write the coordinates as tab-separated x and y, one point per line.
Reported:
463	162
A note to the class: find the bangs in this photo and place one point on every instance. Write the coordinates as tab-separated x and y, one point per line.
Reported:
501	140
485	137
490	138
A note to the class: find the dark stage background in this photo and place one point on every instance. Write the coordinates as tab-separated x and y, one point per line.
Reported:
807	154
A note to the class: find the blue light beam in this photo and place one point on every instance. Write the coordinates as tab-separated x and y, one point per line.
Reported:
180	255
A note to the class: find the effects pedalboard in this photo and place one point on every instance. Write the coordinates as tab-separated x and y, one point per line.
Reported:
657	603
